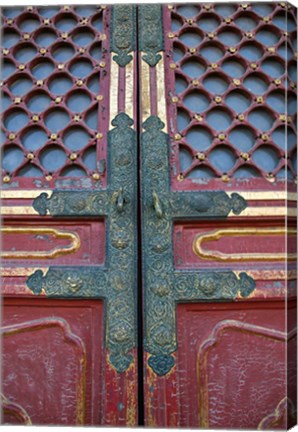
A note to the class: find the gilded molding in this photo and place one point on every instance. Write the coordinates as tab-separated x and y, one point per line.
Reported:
116	281
123	33
165	286
151	33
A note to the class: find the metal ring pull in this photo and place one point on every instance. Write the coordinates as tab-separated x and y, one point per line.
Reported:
120	201
157	205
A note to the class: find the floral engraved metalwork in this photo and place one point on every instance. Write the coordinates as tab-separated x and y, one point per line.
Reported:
116	281
151	32
165	286
123	33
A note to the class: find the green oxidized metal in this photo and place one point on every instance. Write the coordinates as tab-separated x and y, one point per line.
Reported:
164	285
123	33
116	282
151	32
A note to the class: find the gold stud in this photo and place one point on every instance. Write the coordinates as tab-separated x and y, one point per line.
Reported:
289	119
232	50
192	50
99	135
81	50
60	66
77	117
30	156
22	67
17	100
11	136
102	37
253	65
64	35
292	85
214	66
198	117
175	99
79	83
73	156
190	21
236	82
270	177
265	137
53	136
240	117
46	21
245	156
228	20
84	21
99	97
26	36
180	177
259	99
170	7
172	66
102	64
283	117
5	51
195	82
225	178
218	99
286	34
49	177
58	100
277	82
39	83
271	49
244	5
211	35
42	51
266	19
249	35
103	7
207	6
177	137
283	4
96	176
221	137
29	8
35	118
66	8
9	21
6	179
201	156
171	35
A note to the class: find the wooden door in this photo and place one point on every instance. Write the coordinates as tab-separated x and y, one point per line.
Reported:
218	193
69	216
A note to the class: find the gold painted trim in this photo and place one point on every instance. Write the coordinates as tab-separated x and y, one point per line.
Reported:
269	274
21	271
129	88
161	94
23	194
266	195
75	243
266	211
231	232
17	210
114	85
145	79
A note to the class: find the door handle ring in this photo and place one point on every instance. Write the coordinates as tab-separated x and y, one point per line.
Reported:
157	205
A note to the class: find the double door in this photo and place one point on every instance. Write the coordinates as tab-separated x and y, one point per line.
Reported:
148	208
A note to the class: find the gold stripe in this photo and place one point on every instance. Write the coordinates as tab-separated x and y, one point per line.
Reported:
20	271
269	274
145	79
266	211
114	84
231	232
129	88
266	195
57	251
25	194
161	95
18	210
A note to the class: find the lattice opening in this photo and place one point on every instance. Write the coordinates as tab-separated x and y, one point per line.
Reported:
235	90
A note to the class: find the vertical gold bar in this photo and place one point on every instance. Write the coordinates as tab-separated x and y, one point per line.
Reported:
129	88
145	79
114	84
161	95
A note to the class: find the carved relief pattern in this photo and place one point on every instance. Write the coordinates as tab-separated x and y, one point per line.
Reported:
151	32
164	285
117	281
123	33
